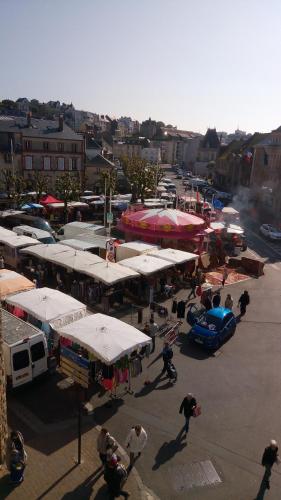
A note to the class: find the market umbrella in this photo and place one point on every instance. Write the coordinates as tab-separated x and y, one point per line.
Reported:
48	198
28	206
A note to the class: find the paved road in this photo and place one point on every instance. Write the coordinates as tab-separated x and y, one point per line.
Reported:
239	390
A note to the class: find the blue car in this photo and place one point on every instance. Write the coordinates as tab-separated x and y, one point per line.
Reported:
212	327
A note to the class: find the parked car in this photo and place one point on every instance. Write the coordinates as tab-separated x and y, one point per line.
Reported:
212	327
19	219
270	232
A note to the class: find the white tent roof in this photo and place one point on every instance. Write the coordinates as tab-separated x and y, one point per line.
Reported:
234	229
70	204
45	251
230	211
49	305
75	259
139	246
172	255
80	245
145	264
109	339
109	272
17	241
217	225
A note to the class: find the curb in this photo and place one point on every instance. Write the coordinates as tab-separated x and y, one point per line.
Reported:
146	493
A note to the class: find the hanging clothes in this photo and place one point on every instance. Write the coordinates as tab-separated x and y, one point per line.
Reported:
135	366
181	309
174	306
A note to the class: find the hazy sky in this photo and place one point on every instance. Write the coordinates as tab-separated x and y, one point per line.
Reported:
190	63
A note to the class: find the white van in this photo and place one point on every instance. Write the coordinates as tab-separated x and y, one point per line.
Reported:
72	229
25	350
33	232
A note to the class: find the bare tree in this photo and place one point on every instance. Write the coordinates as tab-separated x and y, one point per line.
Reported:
69	188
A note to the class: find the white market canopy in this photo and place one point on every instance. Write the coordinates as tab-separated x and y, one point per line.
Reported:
110	273
229	211
139	246
109	339
48	305
146	264
45	251
76	260
70	204
173	255
217	226
16	241
80	245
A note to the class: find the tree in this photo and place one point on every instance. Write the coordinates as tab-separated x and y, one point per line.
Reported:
41	184
142	176
69	188
7	176
3	402
18	187
110	177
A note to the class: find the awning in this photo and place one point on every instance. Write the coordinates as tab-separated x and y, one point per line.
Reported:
45	251
49	199
16	241
12	282
109	339
76	260
110	272
48	305
173	255
229	211
146	264
139	246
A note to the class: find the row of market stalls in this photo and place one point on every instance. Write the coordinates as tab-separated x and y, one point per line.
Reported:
107	349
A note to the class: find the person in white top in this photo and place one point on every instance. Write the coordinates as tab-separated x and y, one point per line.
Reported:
135	442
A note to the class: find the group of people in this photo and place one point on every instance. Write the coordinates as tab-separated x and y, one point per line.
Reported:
210	301
115	473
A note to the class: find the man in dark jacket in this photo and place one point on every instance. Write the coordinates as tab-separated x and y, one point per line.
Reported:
217	299
270	457
115	476
187	407
244	301
167	354
193	283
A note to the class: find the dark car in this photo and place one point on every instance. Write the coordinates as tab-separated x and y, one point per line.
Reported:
10	221
213	327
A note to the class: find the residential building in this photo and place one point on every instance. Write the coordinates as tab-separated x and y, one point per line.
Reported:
130	147
48	146
234	162
148	128
23	104
151	155
207	152
266	176
95	164
178	146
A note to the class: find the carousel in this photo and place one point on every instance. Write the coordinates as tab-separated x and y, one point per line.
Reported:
167	227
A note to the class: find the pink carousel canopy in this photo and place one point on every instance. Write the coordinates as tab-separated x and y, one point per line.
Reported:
165	222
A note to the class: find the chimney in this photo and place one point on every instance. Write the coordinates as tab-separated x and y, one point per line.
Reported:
60	123
28	117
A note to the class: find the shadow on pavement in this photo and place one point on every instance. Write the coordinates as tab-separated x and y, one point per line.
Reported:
46	492
147	389
262	491
107	410
5	487
85	489
169	449
191	350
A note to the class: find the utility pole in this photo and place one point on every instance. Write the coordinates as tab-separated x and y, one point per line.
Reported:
3	401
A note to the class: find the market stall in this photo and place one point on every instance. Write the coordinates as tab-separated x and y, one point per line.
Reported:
12	282
46	309
109	346
11	244
132	249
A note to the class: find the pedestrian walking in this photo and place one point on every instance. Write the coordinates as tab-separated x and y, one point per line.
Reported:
153	329
269	458
217	299
115	476
243	302
193	283
106	445
167	355
224	275
135	442
187	406
18	457
228	302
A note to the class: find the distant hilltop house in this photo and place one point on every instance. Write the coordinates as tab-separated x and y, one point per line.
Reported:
28	144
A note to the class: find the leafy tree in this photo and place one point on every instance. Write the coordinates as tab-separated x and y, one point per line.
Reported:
69	187
41	184
7	177
18	186
142	177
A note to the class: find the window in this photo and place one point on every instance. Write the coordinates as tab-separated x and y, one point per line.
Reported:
28	162
70	163
46	146
37	351
73	164
20	360
74	148
60	163
60	146
28	145
47	163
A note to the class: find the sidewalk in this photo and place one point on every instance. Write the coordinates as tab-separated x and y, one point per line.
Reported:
56	476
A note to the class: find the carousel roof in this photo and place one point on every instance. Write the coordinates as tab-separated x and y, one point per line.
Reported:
164	220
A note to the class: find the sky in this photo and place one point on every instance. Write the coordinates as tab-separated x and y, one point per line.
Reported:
193	64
